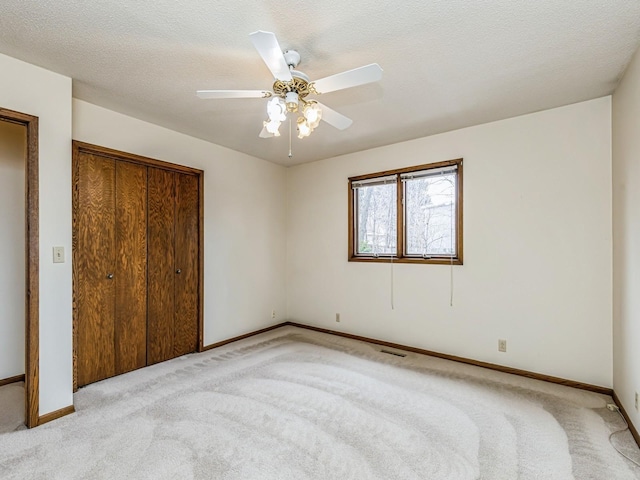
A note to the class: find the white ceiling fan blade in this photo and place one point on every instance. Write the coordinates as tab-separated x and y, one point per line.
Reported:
270	51
233	93
351	78
334	118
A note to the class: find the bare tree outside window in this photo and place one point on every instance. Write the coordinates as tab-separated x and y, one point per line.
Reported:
377	219
430	215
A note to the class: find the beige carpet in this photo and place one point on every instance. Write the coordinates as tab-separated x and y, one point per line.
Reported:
294	404
11	408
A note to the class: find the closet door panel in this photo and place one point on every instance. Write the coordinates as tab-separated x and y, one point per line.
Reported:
161	288
95	291
186	246
131	267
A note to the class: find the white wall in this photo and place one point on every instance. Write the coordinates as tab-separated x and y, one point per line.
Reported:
244	256
13	144
626	236
537	247
35	91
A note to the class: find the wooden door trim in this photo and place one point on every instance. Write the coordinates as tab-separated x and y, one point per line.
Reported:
79	147
200	263
82	147
32	268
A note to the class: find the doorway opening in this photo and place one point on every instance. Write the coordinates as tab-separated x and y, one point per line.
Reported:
21	132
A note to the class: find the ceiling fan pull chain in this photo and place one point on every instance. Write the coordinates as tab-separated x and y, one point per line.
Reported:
290	154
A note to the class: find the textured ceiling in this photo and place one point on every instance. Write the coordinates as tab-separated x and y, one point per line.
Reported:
447	64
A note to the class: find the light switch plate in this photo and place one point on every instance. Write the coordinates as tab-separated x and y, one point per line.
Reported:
58	254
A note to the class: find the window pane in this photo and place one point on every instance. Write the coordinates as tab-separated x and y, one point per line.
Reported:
376	216
430	204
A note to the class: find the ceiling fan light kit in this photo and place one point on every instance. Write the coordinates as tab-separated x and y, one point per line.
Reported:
291	99
291	88
272	127
312	113
277	109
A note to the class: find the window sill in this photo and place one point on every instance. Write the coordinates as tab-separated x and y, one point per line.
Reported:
416	260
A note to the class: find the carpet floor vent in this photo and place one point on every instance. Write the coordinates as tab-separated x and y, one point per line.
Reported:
397	354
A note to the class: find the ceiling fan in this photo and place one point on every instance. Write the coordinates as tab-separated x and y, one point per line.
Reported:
292	87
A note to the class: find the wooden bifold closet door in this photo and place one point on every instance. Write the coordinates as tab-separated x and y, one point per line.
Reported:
136	263
173	265
111	268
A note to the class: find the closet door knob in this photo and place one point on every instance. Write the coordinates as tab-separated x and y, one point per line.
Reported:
110	276
178	271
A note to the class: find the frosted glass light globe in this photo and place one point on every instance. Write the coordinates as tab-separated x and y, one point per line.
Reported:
276	109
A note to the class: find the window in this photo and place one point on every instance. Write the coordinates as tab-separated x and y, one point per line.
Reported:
410	215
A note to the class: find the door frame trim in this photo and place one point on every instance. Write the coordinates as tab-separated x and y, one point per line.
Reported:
32	267
82	147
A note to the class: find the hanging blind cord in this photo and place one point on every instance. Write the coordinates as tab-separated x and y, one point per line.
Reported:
392	306
451	258
290	153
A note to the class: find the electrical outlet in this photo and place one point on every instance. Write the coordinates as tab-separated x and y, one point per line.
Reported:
338	320
273	314
502	345
637	400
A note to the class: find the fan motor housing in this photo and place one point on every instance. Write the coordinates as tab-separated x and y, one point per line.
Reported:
298	85
292	57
